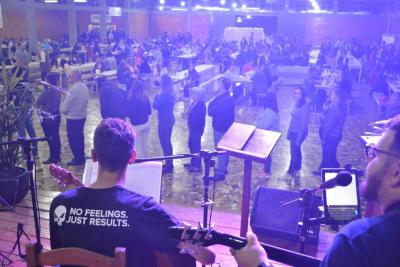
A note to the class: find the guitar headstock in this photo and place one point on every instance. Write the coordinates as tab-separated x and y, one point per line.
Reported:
205	237
63	176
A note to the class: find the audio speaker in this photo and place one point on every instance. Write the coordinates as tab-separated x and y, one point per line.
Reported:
272	219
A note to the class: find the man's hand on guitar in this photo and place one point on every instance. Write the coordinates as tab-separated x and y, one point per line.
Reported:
252	255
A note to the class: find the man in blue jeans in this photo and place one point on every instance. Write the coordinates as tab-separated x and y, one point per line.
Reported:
75	109
222	111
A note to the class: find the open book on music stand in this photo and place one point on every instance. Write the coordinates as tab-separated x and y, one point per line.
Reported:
251	144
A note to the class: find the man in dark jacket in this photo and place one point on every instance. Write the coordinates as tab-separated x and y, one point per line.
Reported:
112	100
196	124
222	111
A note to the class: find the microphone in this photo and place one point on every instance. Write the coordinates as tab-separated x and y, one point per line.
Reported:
343	178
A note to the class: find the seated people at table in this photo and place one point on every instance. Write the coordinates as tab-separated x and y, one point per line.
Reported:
125	73
138	111
374	241
113	100
196	123
380	92
49	106
248	66
330	131
164	103
259	84
144	67
105	215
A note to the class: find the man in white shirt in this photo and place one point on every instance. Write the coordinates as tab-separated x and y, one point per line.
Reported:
75	110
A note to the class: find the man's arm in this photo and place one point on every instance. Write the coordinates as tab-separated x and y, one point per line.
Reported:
343	253
156	221
203	255
252	255
68	102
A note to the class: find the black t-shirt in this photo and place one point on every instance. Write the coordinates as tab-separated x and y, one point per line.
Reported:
102	219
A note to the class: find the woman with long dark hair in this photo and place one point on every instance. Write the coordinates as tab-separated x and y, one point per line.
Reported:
330	131
164	103
138	111
298	130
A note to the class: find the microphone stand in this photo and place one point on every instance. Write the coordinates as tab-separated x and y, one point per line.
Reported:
26	145
305	201
208	163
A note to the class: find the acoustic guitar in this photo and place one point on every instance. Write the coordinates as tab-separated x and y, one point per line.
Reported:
208	237
158	258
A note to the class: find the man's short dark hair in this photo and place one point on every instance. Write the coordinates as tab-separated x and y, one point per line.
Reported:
114	141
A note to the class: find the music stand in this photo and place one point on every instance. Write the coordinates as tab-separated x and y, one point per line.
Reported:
251	144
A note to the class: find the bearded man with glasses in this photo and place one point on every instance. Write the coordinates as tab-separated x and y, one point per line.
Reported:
372	241
375	241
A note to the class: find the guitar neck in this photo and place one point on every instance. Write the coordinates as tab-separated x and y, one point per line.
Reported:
274	253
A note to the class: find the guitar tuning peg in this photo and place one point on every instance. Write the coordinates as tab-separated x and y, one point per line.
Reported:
208	235
197	235
185	236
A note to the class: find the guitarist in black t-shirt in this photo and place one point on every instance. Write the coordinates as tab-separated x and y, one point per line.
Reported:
105	215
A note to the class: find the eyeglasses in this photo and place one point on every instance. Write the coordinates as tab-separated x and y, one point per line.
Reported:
372	152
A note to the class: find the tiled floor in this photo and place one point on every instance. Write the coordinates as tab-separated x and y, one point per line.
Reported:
182	187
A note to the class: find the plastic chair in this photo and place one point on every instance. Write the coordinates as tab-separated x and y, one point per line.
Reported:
73	256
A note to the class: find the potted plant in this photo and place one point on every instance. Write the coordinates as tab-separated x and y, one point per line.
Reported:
16	101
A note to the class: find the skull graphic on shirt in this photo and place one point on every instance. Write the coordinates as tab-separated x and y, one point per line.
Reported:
59	214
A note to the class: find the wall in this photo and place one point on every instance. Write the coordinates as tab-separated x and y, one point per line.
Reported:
310	28
51	23
121	22
140	26
15	25
171	23
219	21
83	20
200	24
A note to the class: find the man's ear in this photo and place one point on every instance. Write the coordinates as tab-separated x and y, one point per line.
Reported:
94	156
133	156
396	174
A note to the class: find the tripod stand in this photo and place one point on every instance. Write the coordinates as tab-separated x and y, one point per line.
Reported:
20	232
26	146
